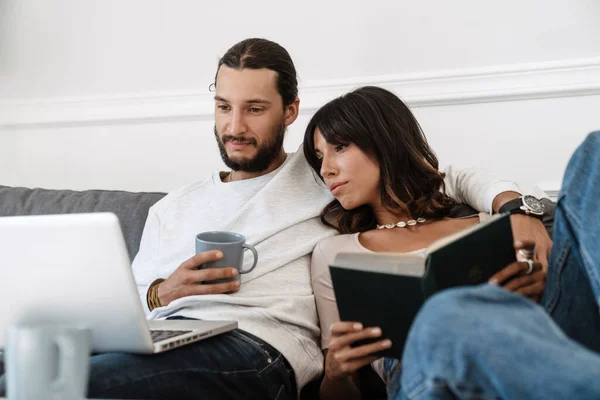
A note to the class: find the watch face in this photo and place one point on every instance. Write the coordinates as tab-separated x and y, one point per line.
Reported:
533	203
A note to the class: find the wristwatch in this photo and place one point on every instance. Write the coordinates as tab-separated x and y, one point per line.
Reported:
528	205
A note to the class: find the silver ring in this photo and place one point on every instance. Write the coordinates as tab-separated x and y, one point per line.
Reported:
530	269
526	254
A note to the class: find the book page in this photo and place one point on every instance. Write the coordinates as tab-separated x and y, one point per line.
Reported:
386	263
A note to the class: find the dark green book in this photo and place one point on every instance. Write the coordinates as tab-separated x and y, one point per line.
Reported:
388	289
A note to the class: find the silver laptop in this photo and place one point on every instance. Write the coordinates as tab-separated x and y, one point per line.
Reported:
75	269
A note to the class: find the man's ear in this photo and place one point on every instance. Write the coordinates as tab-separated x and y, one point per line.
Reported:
291	112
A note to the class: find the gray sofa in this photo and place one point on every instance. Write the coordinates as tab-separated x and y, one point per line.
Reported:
131	208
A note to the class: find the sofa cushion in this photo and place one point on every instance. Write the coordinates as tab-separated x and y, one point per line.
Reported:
130	208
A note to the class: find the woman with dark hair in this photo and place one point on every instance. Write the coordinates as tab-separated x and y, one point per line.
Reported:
389	197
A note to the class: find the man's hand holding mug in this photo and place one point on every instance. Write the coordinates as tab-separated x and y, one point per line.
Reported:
215	269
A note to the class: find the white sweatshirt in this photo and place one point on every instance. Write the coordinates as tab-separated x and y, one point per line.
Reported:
279	215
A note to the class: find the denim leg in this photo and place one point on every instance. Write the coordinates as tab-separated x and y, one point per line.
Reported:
487	343
573	281
234	365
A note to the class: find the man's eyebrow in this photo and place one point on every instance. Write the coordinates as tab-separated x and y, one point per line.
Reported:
258	101
249	101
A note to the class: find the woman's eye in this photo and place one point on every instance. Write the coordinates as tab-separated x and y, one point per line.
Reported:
340	147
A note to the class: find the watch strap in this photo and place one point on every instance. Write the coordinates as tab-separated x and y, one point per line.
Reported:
512	206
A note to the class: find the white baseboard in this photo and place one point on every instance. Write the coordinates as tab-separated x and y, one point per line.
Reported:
568	78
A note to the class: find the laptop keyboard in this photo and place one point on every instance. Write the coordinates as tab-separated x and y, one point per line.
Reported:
157	336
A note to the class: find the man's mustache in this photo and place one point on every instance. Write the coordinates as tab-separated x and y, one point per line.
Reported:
238	139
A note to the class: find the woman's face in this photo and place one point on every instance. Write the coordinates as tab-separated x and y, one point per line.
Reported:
352	177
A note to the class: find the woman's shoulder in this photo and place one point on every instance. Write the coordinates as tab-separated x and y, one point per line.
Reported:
328	248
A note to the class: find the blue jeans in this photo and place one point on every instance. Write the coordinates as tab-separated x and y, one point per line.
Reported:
487	343
234	365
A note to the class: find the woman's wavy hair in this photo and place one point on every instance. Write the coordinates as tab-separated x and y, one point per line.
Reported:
385	129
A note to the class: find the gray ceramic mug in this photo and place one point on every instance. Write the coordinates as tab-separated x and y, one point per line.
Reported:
47	362
232	245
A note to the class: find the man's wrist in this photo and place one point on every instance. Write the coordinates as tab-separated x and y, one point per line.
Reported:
502	198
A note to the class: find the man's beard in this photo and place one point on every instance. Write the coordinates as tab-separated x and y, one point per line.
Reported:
267	153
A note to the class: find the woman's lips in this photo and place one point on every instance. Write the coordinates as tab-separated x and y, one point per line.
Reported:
336	187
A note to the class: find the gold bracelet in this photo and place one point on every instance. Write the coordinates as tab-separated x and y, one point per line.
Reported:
152	298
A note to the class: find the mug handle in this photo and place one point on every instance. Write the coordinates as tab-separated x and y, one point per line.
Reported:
253	250
66	357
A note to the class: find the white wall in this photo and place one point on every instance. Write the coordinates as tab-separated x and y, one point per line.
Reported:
113	94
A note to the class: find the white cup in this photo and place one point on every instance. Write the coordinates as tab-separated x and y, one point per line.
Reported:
47	362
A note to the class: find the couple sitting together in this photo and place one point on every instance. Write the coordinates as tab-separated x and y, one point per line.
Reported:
365	163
